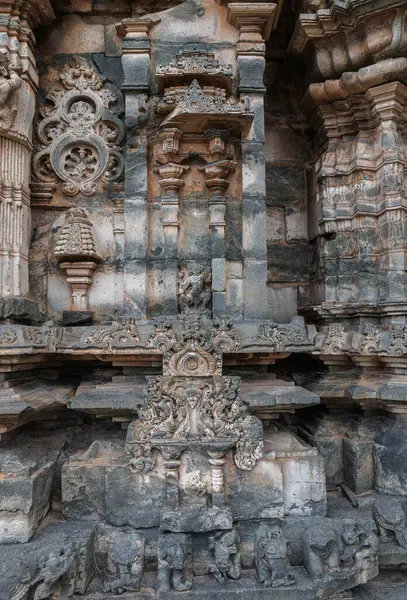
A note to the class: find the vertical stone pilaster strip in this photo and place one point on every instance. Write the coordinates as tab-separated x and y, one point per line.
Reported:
18	86
136	87
254	22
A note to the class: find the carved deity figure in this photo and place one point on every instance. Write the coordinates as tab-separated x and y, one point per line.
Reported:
125	563
321	551
227	564
10	80
172	558
194	289
271	554
359	546
391	521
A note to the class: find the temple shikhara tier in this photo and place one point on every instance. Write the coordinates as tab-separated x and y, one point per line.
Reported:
203	300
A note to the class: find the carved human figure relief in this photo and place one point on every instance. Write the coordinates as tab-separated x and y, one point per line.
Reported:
79	134
10	81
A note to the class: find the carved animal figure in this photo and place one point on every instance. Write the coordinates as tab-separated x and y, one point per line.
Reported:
227	558
172	554
321	551
125	563
271	553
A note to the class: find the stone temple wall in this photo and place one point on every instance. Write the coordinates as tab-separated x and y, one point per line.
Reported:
203	330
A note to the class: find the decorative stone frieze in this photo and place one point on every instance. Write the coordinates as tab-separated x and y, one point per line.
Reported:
79	135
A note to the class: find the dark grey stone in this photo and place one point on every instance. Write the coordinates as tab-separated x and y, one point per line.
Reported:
77	317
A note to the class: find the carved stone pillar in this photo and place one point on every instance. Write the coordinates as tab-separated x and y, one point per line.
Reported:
136	67
18	86
170	180
254	21
216	180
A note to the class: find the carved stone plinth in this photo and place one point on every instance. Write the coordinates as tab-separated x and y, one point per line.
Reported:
79	276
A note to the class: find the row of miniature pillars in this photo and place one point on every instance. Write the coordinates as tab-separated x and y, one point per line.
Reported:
172	463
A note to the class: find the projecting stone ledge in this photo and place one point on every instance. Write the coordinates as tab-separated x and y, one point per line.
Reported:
124	395
206	588
21	402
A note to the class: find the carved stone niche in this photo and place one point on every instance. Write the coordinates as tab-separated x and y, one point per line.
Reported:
76	251
79	135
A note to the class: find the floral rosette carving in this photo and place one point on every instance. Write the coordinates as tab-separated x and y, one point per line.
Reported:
79	135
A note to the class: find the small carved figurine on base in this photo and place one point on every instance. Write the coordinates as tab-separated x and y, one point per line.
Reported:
125	563
271	553
172	555
321	551
359	546
227	559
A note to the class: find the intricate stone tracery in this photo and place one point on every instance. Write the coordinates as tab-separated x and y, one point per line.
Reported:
79	135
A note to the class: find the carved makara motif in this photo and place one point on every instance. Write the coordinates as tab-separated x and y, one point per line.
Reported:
370	341
398	341
10	81
79	136
278	337
163	338
125	332
224	336
335	340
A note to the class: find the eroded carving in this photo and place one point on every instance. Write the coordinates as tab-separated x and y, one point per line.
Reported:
271	554
335	340
10	81
124	332
125	563
172	562
225	547
321	551
79	135
195	292
7	336
391	521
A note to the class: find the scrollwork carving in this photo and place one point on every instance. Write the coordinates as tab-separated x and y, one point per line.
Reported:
7	336
79	136
181	409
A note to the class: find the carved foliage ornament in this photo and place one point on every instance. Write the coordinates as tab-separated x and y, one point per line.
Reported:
183	409
79	136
